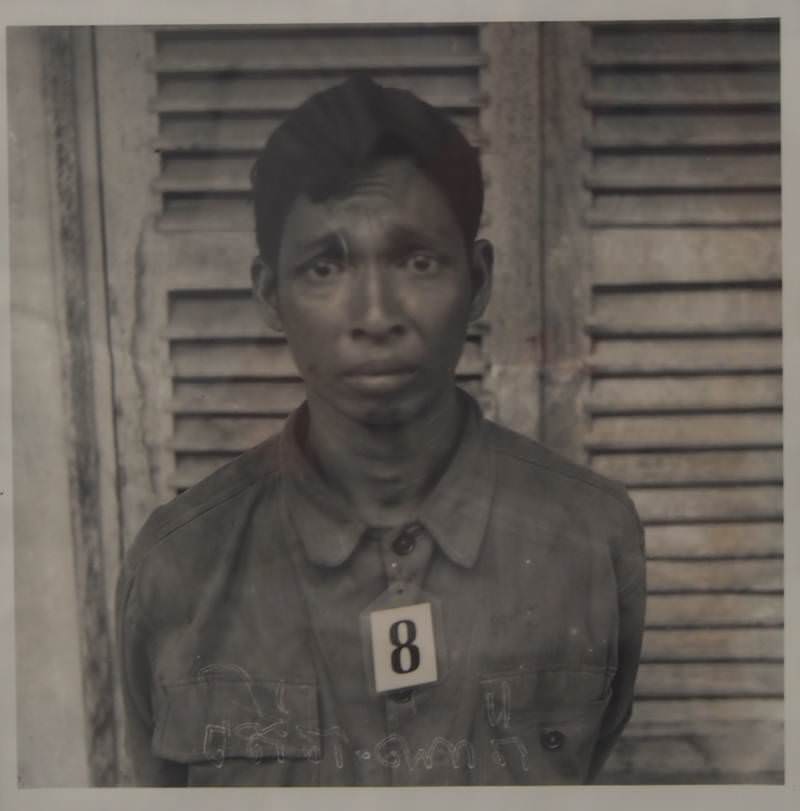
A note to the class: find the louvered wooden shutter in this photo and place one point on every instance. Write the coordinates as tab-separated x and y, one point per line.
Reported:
682	182
221	92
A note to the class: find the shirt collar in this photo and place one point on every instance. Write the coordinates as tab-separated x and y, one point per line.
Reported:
456	512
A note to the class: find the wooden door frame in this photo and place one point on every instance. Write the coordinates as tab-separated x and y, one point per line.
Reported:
566	258
77	270
513	169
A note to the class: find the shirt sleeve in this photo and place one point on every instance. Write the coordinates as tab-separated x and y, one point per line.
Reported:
134	638
631	596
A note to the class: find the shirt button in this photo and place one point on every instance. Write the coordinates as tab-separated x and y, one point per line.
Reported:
403	543
552	739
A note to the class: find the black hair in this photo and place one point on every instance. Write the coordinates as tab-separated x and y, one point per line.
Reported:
341	131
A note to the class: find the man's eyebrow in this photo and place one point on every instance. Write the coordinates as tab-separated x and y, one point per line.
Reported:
329	244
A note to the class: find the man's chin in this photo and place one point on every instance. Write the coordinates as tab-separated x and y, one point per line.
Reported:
396	412
386	415
391	411
385	411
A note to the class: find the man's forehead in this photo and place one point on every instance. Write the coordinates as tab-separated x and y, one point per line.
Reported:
388	193
390	180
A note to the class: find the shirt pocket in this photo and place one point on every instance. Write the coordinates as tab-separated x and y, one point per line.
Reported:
217	720
541	725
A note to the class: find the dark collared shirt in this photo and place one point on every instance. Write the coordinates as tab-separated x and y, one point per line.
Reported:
241	606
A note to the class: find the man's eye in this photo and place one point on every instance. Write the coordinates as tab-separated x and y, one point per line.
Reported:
422	263
321	270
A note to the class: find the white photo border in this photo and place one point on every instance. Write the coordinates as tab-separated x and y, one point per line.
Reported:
731	798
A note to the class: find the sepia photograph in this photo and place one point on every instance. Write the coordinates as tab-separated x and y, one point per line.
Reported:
397	404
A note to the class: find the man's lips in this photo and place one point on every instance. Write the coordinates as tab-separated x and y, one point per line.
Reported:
380	369
380	377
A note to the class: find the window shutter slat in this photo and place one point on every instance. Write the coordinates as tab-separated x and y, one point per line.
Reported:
698	312
757	539
271	95
730	644
698	467
714	610
731	711
684	431
643	256
716	393
689	356
710	679
715	575
680	131
286	50
677	505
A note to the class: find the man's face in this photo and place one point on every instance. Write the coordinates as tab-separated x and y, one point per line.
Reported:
374	289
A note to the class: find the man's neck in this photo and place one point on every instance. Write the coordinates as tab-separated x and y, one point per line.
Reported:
385	471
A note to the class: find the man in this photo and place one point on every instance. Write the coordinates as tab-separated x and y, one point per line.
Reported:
394	591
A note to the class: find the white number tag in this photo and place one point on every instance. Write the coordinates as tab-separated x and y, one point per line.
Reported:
403	647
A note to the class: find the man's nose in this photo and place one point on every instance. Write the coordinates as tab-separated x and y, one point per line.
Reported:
377	313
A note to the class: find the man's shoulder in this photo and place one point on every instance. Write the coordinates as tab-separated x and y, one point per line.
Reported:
566	480
549	490
192	515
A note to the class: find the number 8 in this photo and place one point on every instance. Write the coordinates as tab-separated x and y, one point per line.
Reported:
407	644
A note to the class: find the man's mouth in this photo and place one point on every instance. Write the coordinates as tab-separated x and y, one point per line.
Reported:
380	377
379	368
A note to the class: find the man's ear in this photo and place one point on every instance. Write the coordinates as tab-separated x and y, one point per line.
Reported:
265	289
481	277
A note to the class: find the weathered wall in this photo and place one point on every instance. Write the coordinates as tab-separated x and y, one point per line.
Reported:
51	744
64	460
